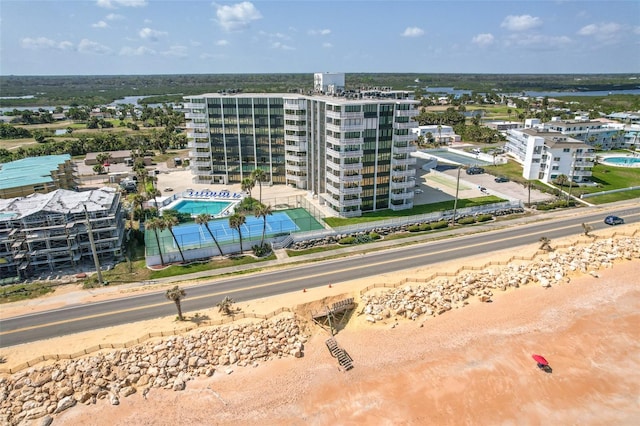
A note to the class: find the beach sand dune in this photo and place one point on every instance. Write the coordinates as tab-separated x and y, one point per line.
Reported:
470	366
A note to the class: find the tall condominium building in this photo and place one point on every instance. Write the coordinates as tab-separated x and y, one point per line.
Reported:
352	151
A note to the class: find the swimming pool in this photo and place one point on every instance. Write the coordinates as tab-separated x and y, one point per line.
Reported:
196	207
622	161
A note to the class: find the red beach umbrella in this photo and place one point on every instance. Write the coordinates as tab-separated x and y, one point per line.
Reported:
540	359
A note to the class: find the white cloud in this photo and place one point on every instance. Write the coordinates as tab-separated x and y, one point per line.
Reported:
150	34
636	30
139	51
521	22
177	51
281	46
327	45
113	4
483	40
114	17
238	16
88	46
45	43
412	32
323	32
195	43
601	31
222	43
100	24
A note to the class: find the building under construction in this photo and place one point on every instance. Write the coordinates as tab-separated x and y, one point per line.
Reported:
45	233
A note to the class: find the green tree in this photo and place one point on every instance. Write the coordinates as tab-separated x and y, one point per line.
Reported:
236	221
156	224
176	294
262	210
98	169
247	185
259	175
203	219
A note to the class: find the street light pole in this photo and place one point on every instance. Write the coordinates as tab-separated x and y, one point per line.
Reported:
96	261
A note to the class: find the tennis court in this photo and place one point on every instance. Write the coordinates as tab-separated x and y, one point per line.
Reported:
192	235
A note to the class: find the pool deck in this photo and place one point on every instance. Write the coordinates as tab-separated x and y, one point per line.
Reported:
207	195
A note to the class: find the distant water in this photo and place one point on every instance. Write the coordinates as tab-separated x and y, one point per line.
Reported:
532	94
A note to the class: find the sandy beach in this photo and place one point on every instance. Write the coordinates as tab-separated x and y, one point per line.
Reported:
471	365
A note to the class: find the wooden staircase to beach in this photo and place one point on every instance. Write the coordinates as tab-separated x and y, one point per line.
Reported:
344	359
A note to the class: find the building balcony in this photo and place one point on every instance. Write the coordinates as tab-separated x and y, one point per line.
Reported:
195	116
197	135
403	161
298	179
356	190
350	203
192	125
407	113
351	178
403	173
401	195
408	125
295	158
298	147
300	168
333	190
295	138
345	154
402	185
405	138
294	127
403	206
341	115
404	149
191	105
201	163
333	178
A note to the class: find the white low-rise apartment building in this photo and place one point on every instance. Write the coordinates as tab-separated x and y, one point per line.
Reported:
545	155
600	135
440	134
351	150
45	233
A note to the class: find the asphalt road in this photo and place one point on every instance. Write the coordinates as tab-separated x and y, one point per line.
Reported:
74	319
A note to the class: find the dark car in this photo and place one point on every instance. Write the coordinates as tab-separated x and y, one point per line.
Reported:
475	170
501	179
613	220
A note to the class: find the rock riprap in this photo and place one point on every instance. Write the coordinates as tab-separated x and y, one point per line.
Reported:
441	295
169	364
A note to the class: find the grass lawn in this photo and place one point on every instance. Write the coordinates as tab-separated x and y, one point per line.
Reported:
416	210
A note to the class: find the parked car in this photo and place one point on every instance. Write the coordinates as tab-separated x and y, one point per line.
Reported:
613	220
501	179
475	170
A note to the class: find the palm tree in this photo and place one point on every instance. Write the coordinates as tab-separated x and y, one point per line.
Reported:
258	175
203	219
169	222
156	224
176	294
263	210
236	221
136	200
247	185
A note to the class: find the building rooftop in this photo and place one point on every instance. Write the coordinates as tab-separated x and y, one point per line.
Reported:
30	171
59	201
364	96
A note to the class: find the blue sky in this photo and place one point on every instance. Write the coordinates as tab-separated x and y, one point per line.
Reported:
71	37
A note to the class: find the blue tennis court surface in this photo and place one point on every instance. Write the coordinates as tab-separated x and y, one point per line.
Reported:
192	233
